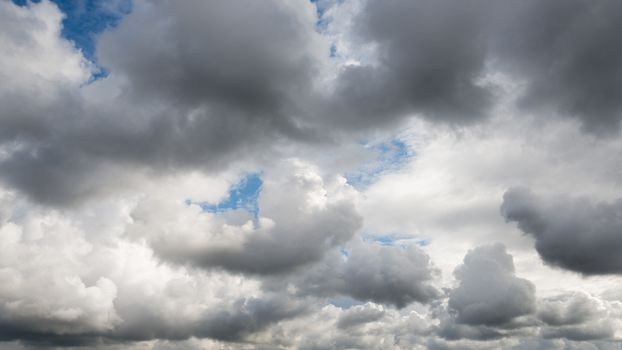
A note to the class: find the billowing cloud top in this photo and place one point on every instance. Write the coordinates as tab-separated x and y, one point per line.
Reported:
325	174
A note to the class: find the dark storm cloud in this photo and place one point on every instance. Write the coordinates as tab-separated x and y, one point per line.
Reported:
261	59
568	53
244	55
430	54
577	234
489	292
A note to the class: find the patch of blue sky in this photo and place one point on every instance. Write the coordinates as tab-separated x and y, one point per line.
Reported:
321	6
84	20
395	239
243	195
391	156
344	252
323	20
333	50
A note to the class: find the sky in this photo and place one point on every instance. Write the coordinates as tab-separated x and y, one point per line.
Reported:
295	174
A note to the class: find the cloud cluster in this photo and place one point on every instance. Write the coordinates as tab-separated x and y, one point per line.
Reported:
66	286
172	102
107	240
434	57
200	84
302	216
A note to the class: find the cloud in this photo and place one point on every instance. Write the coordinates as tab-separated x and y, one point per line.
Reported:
232	94
430	54
106	240
247	316
577	234
578	316
394	276
207	85
45	289
374	328
570	64
359	315
250	57
302	216
433	57
489	293
69	280
568	309
538	344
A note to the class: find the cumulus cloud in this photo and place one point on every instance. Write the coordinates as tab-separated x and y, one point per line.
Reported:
360	315
45	252
570	64
430	55
302	216
390	275
578	316
228	95
66	284
577	234
489	293
201	85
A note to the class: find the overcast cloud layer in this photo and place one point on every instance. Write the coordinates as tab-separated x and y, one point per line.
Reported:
352	174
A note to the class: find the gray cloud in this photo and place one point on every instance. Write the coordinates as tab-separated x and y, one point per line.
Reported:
577	316
596	330
430	55
567	309
370	272
173	101
203	85
246	317
558	344
489	293
247	56
393	275
359	315
577	234
303	216
569	56
206	87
